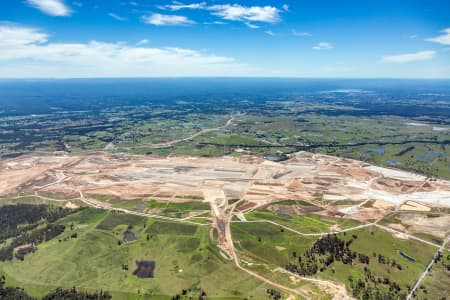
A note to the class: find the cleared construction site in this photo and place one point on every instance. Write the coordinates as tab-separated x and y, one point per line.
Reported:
336	186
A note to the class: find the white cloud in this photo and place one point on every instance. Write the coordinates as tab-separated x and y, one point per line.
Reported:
285	7
236	12
117	17
252	26
12	35
409	57
300	33
323	46
216	23
167	20
142	42
25	52
443	39
51	7
270	32
179	6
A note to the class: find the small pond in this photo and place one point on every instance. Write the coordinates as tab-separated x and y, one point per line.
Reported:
377	150
423	158
145	268
406	256
435	154
129	236
365	155
393	162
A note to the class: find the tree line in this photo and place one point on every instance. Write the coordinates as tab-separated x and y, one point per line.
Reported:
15	293
30	240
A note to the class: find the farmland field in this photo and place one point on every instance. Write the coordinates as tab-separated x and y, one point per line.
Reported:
267	244
95	259
305	223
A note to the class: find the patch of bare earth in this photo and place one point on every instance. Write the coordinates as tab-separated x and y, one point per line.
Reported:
382	204
414	206
71	205
369	214
438	226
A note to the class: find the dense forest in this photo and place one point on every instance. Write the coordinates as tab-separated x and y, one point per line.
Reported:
16	219
24	226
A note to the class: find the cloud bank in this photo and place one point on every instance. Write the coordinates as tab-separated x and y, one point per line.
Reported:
26	52
443	39
409	57
233	12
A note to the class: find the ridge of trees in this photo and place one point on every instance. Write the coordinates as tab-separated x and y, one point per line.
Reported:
27	226
16	293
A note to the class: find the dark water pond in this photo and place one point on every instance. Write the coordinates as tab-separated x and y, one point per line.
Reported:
435	154
129	236
145	268
423	158
393	162
365	155
406	256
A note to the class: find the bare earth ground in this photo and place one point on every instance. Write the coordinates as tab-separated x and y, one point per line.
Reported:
305	176
437	226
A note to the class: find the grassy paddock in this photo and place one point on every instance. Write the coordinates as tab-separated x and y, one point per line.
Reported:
114	219
267	244
305	223
160	227
94	261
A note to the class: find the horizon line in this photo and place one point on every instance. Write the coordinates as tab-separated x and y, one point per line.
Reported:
227	77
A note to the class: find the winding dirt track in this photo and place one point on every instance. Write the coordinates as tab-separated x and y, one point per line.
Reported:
232	252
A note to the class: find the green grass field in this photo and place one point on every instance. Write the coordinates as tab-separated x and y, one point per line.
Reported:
436	283
268	247
164	208
94	260
381	242
259	241
114	219
169	228
305	223
293	202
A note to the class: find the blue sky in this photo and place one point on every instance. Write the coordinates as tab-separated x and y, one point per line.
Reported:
145	38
